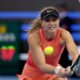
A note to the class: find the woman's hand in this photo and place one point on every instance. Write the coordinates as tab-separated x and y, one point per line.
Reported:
63	72
60	71
68	71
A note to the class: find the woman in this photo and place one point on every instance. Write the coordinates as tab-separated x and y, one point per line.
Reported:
45	32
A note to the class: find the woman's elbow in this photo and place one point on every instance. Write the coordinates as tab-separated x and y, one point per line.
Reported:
41	67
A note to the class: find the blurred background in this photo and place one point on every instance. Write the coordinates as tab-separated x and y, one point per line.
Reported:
15	18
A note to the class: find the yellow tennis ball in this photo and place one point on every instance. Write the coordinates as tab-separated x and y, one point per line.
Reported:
48	50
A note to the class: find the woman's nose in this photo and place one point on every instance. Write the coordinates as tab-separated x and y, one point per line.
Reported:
51	22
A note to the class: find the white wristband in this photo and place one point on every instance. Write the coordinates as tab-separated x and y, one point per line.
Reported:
57	69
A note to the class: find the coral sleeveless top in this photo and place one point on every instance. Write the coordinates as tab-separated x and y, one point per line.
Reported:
54	58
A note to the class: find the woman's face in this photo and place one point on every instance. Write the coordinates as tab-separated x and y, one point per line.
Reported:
50	24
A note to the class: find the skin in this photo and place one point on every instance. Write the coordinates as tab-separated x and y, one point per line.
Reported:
50	27
50	30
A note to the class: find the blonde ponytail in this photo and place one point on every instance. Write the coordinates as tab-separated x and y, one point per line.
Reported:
36	24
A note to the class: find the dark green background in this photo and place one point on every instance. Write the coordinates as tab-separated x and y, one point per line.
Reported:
10	67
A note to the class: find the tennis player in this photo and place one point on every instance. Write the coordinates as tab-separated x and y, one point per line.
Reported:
46	32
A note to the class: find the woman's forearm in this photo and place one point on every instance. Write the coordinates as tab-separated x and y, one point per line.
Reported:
75	57
47	68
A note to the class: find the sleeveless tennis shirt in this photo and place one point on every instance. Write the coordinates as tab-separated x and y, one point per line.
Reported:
52	59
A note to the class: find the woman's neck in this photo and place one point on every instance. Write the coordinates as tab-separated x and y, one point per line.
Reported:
49	35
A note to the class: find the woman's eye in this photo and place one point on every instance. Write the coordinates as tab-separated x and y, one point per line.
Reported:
47	20
52	19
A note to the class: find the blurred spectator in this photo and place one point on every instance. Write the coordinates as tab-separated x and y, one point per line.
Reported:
66	21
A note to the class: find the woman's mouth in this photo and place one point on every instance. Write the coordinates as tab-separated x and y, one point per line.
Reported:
52	27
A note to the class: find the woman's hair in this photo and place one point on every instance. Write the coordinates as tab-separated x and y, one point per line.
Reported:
36	24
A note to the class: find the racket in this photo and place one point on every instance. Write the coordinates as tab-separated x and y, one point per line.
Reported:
75	65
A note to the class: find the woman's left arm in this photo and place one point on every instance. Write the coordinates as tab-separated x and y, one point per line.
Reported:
70	45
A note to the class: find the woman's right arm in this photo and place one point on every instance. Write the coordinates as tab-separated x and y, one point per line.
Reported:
38	55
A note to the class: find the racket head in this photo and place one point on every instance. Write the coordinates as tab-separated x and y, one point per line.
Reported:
75	65
78	71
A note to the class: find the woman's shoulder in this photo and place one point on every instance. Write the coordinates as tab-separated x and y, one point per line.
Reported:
34	36
64	31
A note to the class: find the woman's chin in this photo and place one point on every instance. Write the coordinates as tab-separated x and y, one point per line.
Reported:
52	31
